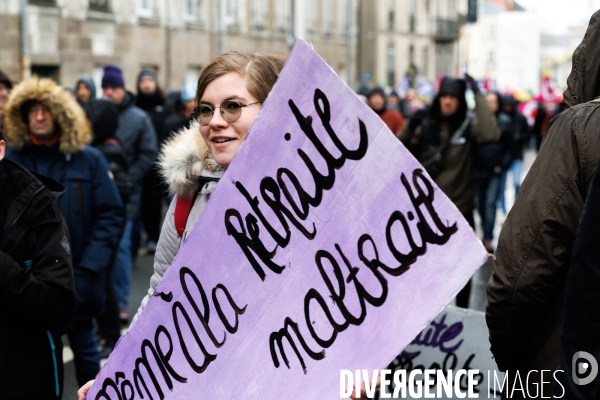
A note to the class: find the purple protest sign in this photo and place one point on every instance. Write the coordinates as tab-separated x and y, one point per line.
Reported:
324	247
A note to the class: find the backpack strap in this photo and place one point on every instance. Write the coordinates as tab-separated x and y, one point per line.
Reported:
112	141
183	206
455	138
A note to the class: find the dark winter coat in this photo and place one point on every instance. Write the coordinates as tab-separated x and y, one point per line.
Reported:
533	258
37	296
104	117
457	179
520	136
138	138
155	105
115	156
496	154
174	123
582	303
91	205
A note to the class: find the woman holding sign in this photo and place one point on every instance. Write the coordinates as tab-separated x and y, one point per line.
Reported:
231	91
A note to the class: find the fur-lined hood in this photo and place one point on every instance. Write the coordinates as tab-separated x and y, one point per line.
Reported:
75	131
183	158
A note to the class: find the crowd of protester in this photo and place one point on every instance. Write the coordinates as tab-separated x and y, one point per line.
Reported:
101	152
432	131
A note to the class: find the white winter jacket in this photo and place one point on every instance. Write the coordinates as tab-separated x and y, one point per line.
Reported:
183	159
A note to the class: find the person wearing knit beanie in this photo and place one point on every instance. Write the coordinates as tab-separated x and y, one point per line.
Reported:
113	84
152	100
137	135
113	76
146	73
150	97
188	92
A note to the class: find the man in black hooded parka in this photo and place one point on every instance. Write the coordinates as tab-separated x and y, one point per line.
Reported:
447	131
37	292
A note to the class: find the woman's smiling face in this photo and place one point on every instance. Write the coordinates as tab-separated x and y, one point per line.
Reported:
222	137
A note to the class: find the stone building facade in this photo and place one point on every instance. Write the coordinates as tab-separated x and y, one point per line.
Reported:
414	37
175	38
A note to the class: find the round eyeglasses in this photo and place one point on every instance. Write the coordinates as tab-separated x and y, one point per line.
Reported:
231	111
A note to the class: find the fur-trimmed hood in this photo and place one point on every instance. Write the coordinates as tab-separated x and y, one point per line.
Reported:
75	131
183	158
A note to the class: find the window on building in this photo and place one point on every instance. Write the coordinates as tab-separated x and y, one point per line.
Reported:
391	65
327	18
412	15
390	14
444	58
192	74
144	7
311	17
343	24
191	9
491	57
232	14
283	16
492	31
260	14
197	11
43	2
443	8
203	14
100	5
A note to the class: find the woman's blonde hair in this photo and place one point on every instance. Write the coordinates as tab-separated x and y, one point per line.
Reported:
258	70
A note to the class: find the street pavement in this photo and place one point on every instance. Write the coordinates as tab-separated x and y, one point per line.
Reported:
142	272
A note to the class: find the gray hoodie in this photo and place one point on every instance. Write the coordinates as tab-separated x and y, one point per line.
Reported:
87	81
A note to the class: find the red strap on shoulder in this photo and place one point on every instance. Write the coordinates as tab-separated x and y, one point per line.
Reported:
182	212
112	141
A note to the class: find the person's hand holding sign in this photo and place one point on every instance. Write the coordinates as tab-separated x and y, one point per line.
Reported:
81	393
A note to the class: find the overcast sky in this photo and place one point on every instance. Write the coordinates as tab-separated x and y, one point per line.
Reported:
557	15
